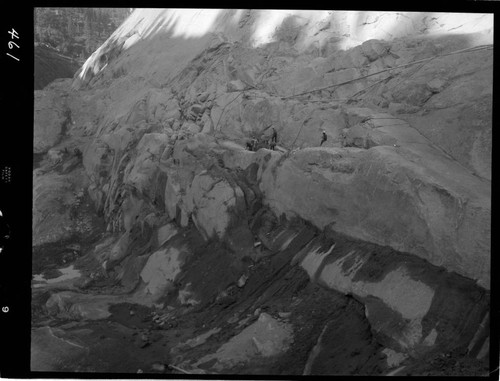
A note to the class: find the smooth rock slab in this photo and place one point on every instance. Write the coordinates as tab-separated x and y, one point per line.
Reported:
413	199
161	270
81	306
266	337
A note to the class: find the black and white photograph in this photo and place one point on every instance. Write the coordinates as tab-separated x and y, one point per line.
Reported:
260	192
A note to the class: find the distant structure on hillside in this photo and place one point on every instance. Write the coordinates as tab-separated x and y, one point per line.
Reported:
50	65
77	32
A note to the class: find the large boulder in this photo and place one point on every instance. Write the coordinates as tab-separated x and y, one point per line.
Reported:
413	200
412	306
214	203
162	269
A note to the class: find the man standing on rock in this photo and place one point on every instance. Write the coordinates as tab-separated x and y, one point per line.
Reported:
252	144
323	138
274	139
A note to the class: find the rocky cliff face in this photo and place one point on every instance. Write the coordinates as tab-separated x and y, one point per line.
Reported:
147	146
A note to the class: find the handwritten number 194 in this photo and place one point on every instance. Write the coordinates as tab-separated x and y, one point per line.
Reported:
11	44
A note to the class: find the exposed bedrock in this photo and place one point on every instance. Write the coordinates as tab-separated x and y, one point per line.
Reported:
387	196
416	219
393	209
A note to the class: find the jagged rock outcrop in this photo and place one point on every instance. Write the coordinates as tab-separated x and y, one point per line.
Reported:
61	207
51	118
47	191
161	270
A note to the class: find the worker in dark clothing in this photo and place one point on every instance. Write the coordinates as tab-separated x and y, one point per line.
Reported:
254	144
274	139
323	137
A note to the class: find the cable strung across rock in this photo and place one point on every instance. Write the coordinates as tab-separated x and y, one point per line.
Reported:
467	50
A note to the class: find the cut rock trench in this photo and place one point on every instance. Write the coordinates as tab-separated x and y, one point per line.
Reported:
273	289
328	333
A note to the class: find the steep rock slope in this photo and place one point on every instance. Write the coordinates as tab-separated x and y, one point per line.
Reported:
213	100
160	115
